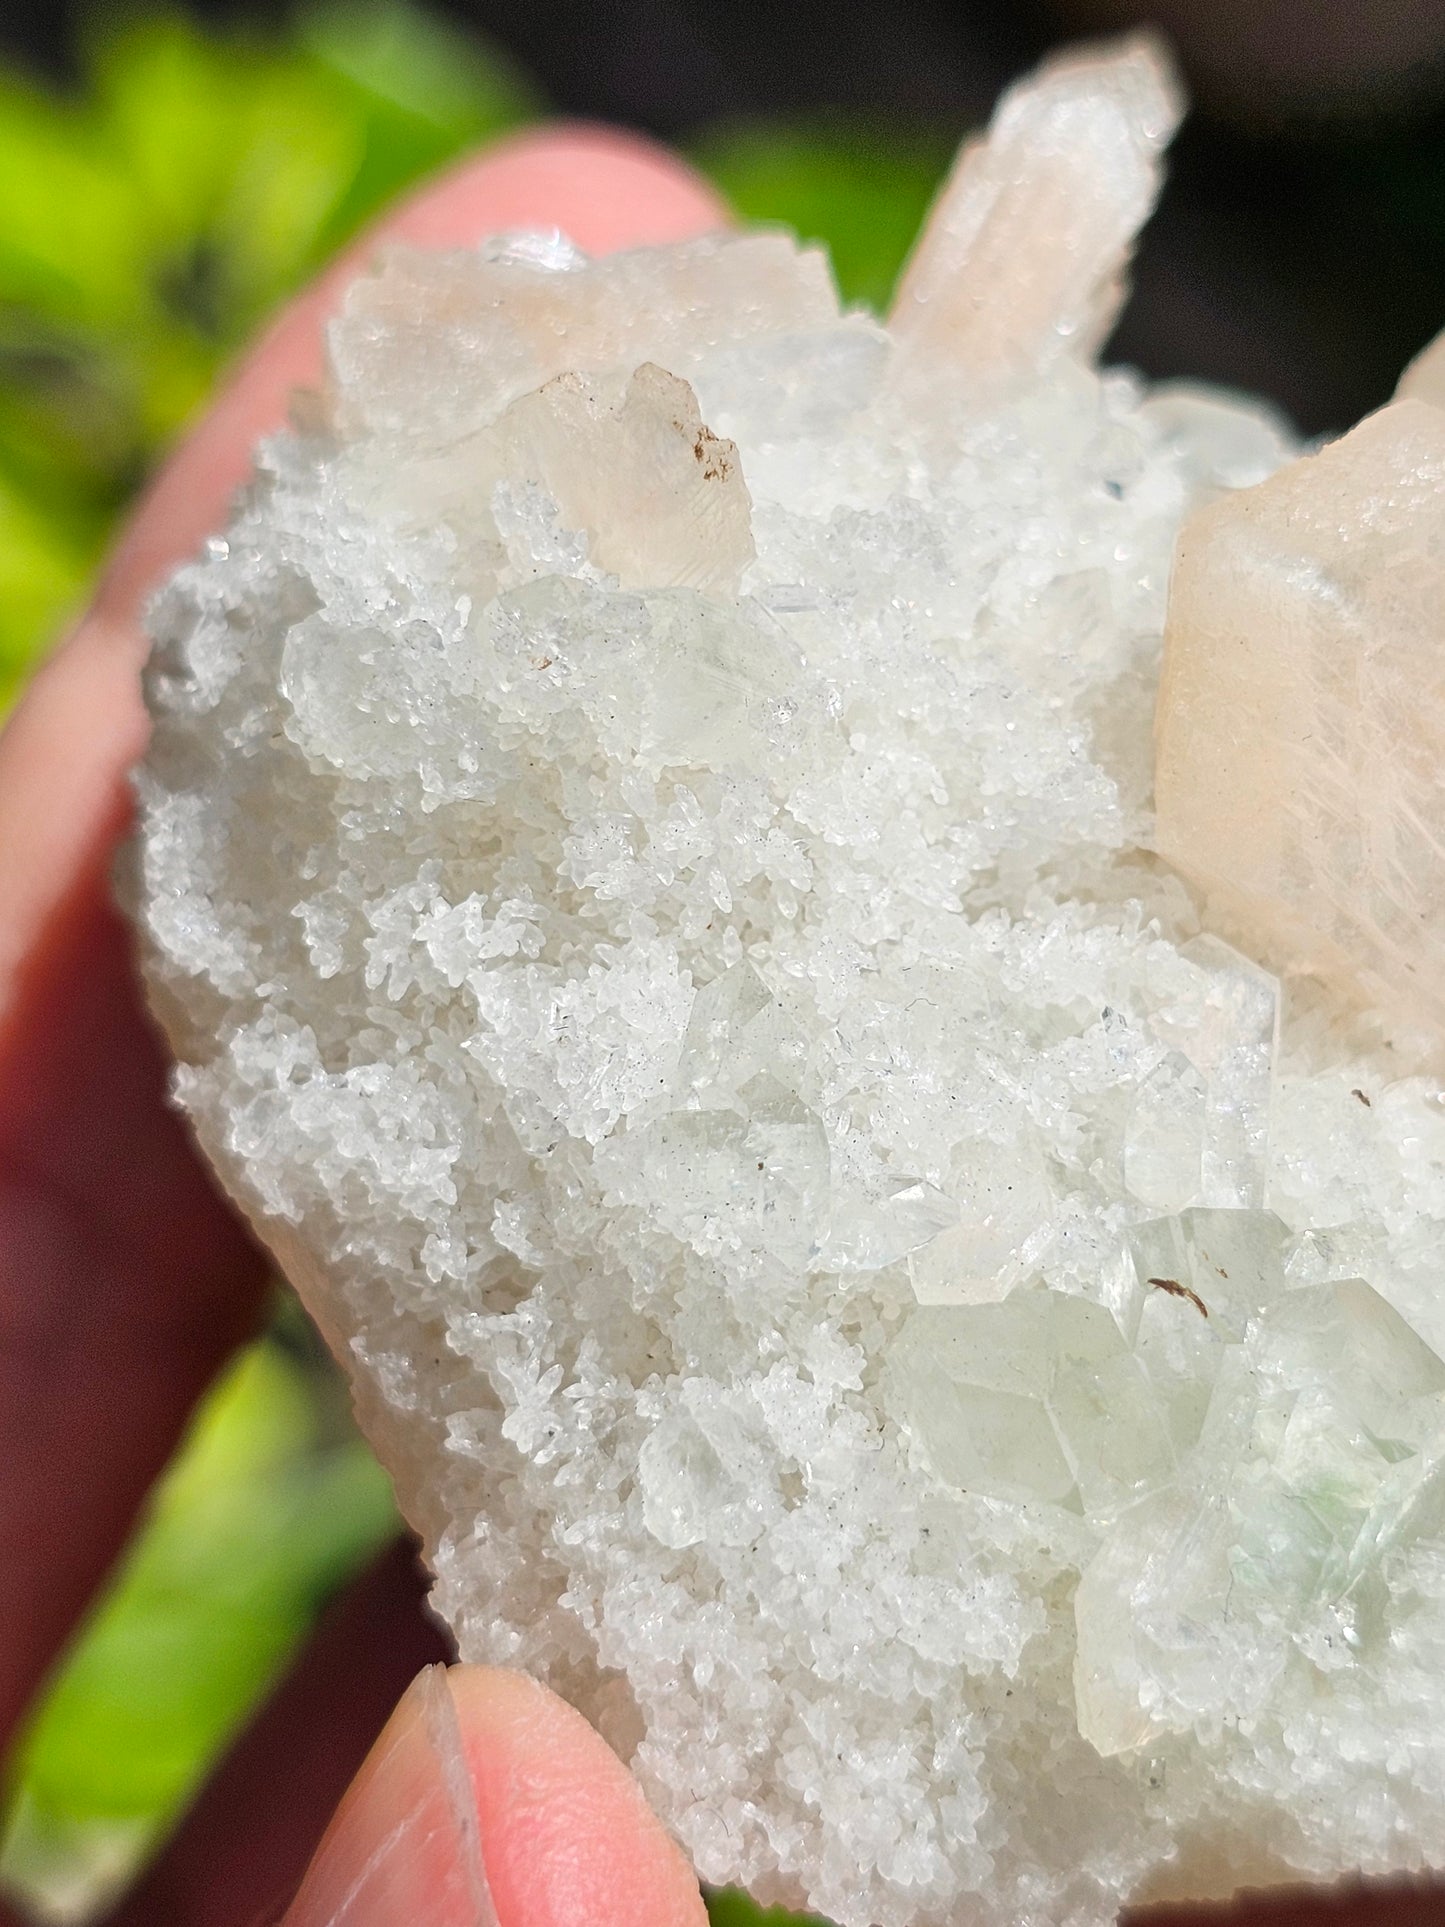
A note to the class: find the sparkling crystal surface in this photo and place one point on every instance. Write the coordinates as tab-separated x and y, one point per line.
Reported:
865	1281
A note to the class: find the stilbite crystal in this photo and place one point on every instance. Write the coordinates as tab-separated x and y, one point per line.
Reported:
646	860
1073	162
1301	714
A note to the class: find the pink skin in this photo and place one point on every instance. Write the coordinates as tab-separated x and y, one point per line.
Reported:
125	1280
562	1835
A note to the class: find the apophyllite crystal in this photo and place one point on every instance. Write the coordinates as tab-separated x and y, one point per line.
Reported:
863	1275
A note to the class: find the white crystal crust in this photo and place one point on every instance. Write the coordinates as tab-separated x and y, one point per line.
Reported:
646	862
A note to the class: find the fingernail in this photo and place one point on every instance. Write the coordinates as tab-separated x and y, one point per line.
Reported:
405	1846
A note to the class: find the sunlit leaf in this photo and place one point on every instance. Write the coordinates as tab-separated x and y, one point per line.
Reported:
256	1523
43	568
422	90
731	1907
71	243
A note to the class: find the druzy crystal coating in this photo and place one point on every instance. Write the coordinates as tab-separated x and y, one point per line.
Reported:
874	1274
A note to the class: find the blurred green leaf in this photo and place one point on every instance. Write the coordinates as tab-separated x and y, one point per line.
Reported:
254	1526
44	565
423	90
70	246
731	1907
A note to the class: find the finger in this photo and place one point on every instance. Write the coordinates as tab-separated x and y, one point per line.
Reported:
124	1278
241	1851
488	1802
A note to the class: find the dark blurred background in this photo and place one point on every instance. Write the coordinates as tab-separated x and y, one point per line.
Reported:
1300	248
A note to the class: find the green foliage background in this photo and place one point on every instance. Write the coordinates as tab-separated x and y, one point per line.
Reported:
271	1505
150	219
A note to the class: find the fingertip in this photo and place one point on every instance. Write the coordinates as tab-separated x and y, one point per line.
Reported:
568	1839
488	1802
604	188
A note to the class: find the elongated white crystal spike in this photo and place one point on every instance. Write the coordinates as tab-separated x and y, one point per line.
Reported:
1023	257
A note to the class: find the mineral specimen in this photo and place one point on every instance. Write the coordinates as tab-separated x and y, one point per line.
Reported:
648	862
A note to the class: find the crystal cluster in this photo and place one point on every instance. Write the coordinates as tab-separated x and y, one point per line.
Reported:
864	1282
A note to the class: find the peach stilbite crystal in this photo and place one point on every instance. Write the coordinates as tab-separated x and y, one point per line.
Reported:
1300	728
1073	161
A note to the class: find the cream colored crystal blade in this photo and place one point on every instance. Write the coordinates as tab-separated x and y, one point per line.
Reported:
1022	260
1300	730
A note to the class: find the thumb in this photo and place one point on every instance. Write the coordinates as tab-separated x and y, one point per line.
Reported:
488	1802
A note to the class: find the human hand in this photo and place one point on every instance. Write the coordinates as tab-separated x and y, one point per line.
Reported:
126	1280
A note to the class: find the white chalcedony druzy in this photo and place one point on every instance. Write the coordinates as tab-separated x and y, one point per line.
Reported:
648	860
